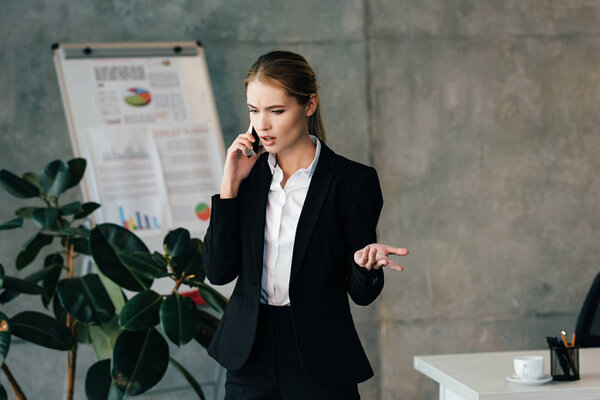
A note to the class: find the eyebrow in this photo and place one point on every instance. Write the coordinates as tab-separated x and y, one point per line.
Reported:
268	108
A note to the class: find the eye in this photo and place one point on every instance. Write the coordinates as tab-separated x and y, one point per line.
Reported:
278	111
251	111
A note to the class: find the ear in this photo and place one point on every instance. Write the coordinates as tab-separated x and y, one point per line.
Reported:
311	105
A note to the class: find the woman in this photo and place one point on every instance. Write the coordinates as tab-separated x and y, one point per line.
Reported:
295	224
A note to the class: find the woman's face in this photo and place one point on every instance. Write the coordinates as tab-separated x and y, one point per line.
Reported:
277	117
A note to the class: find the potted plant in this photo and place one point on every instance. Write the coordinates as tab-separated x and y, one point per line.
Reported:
91	308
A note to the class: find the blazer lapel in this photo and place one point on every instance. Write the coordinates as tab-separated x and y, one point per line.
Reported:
317	192
258	208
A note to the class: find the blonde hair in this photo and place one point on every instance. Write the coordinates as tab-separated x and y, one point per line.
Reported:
290	72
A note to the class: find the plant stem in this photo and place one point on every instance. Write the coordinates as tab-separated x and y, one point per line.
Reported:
178	283
71	364
13	383
71	323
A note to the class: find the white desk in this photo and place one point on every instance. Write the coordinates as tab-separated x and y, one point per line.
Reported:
482	376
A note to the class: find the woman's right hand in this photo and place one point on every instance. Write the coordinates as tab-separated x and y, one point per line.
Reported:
237	164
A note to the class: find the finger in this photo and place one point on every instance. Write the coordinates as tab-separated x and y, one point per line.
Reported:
401	251
384	261
245	140
235	147
372	254
250	136
395	266
365	257
242	148
379	263
245	136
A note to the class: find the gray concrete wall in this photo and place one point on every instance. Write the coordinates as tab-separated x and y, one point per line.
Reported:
485	133
480	117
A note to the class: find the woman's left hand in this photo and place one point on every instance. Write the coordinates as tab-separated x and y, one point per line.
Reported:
375	255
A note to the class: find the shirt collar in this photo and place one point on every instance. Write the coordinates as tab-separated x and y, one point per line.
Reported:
310	170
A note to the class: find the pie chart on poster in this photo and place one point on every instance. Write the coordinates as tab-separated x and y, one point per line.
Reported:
203	211
137	97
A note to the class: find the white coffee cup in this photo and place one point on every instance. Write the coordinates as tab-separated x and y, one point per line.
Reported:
529	367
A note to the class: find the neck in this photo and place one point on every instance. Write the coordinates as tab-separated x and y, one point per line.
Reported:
300	155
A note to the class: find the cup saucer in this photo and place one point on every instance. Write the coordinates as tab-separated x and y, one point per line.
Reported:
539	381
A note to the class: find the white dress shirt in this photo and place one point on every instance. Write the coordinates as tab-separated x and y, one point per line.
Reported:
283	211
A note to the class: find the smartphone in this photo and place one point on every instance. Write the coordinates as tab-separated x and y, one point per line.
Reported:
256	142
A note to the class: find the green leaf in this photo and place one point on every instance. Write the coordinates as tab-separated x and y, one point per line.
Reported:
141	311
190	262
59	312
106	242
1	276
5	336
26	212
83	333
16	286
80	232
41	329
114	292
140	359
31	248
98	383
81	246
188	377
178	318
76	169
143	264
12	224
50	280
55	178
104	337
160	260
86	209
216	300
32	178
71	208
185	253
16	186
54	258
47	218
85	299
208	327
49	283
177	241
3	394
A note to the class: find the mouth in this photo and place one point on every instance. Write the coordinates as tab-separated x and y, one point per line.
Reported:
268	140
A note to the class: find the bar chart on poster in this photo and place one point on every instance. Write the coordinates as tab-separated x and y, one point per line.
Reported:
143	115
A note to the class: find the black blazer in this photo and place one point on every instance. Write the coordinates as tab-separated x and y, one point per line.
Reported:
339	216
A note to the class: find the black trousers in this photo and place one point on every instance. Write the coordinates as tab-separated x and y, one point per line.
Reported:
274	370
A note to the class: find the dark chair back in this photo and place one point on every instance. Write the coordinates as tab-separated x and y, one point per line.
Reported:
588	323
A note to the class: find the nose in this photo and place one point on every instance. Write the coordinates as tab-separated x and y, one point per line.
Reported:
262	122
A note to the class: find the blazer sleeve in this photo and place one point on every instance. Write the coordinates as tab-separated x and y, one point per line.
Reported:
364	209
221	253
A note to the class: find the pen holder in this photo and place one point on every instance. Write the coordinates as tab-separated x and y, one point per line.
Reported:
564	363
